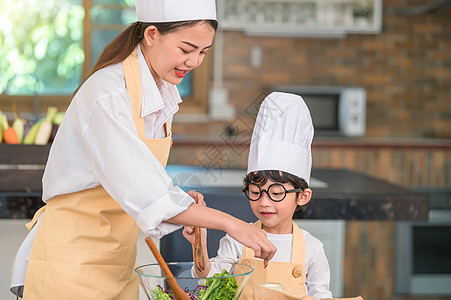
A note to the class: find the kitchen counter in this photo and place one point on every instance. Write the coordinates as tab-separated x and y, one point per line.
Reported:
337	193
356	196
21	169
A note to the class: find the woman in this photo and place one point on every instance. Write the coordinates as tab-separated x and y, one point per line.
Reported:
105	178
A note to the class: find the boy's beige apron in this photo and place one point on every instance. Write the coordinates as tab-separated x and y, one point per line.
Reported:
290	274
85	245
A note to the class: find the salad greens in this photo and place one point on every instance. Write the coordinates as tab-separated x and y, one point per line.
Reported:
221	289
214	289
159	294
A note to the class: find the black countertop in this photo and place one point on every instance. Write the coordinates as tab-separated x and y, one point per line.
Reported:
337	193
356	196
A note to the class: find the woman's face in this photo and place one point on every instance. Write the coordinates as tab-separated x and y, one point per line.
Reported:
171	56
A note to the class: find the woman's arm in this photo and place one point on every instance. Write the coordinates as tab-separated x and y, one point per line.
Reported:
247	234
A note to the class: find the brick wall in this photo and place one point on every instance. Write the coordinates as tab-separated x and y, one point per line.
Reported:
406	69
409	166
414	164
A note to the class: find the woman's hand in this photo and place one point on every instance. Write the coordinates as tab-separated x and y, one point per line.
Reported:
254	238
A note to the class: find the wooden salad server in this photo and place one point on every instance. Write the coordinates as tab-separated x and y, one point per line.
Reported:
179	294
199	260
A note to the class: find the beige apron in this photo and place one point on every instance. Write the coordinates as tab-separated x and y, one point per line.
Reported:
290	274
85	245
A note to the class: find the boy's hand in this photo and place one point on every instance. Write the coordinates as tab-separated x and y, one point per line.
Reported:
198	197
188	233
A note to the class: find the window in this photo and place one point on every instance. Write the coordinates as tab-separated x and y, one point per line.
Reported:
48	46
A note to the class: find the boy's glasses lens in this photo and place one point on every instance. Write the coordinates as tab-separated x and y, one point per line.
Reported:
276	192
253	192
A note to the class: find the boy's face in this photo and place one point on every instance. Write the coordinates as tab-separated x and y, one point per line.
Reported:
277	216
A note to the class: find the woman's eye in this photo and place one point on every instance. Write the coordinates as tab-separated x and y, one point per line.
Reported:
185	51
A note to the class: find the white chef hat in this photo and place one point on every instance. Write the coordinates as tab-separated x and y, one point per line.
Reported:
154	11
282	136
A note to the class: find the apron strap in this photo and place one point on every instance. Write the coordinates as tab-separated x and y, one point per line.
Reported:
166	128
132	74
298	248
36	216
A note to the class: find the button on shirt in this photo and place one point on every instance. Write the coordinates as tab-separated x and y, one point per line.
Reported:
97	144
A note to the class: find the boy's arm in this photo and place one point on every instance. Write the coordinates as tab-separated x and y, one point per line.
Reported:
318	274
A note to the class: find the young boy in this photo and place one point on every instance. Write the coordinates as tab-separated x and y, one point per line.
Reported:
276	183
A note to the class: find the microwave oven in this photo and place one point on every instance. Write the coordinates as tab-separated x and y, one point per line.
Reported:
335	110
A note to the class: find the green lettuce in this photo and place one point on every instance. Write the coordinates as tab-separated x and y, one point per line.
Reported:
219	288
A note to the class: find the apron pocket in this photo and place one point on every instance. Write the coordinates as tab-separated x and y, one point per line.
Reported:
80	273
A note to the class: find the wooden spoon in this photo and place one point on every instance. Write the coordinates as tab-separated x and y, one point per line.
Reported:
199	260
179	294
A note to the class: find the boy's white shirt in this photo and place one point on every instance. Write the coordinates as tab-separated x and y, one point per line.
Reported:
316	264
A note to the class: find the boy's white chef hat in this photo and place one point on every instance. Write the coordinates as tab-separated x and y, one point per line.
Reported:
154	11
282	136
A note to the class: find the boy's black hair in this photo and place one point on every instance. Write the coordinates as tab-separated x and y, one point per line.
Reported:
261	177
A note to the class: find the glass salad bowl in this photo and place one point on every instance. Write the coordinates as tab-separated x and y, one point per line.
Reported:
227	283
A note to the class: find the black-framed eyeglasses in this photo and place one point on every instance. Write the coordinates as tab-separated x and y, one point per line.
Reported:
276	192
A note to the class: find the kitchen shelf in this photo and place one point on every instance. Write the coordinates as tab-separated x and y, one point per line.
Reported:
23	156
309	18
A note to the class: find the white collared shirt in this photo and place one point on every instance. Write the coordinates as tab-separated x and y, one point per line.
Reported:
97	144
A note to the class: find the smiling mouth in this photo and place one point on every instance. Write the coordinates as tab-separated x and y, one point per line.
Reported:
181	73
267	214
